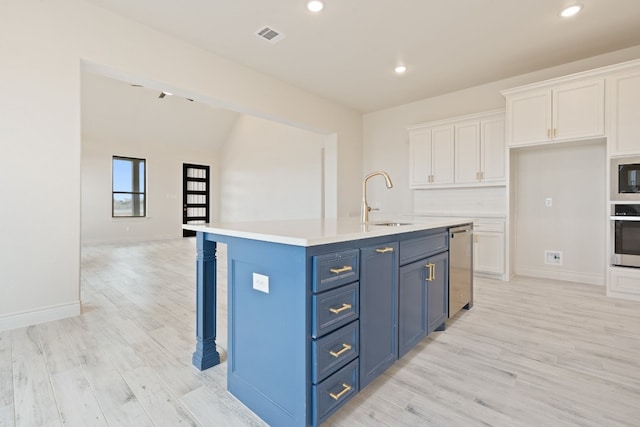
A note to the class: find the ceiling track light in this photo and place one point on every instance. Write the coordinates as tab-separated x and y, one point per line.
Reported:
571	10
315	6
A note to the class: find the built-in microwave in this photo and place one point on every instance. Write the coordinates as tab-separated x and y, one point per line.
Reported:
626	235
625	179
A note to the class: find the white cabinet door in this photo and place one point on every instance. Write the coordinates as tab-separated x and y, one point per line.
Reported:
573	110
578	110
419	158
529	117
442	154
493	150
488	252
624	114
467	152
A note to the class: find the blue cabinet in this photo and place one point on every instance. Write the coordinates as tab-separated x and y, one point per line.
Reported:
437	292
329	321
412	327
379	310
335	331
423	289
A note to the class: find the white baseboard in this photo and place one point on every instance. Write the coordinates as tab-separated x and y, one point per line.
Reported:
41	315
568	276
133	240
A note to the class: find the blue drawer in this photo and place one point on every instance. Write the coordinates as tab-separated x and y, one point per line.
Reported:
334	392
333	309
333	351
335	269
422	247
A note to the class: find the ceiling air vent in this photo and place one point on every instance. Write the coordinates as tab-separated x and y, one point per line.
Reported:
270	34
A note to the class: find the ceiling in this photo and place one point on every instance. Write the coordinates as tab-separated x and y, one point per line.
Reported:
348	51
113	110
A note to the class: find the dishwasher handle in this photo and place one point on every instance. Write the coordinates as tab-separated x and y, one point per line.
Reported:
458	230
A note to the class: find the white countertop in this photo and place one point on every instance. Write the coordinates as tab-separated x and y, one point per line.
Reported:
313	232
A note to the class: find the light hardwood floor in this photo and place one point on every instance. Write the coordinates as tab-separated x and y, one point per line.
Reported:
530	353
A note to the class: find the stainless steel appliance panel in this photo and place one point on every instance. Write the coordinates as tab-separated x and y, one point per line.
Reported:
625	179
460	268
626	244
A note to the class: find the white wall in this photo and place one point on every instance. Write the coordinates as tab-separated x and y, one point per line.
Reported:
271	171
44	46
573	177
386	142
164	189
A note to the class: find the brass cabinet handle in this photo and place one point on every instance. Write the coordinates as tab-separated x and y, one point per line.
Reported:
341	309
548	133
345	347
555	132
432	272
341	270
384	250
346	388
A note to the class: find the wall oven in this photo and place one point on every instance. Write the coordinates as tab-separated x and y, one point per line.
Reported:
626	236
625	179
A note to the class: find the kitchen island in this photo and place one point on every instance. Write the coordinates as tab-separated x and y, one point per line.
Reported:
317	309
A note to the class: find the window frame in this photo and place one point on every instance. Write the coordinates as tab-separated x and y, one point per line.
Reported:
136	162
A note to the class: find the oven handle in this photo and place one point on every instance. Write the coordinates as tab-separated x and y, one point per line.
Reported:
625	218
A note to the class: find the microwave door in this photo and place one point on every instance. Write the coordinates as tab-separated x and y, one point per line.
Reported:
629	178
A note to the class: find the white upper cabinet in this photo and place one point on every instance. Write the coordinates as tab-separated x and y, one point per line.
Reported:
459	152
431	156
420	158
492	154
442	155
568	111
529	117
623	93
467	152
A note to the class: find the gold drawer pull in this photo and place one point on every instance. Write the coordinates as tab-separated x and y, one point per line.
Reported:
346	389
345	347
341	270
432	272
338	310
384	250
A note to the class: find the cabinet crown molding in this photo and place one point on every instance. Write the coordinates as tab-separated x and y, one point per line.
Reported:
459	119
575	77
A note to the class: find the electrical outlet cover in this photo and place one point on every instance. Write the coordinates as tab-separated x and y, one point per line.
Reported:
261	283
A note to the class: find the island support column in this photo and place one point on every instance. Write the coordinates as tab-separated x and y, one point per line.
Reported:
206	354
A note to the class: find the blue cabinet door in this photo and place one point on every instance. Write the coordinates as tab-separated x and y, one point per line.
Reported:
378	310
437	292
412	310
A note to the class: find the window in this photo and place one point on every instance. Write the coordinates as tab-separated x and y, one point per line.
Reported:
128	187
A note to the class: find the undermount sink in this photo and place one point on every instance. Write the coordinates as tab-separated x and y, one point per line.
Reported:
391	224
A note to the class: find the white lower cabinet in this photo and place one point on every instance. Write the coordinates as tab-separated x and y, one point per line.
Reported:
624	283
489	248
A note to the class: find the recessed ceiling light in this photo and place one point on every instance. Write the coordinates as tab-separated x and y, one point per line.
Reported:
571	11
315	5
400	69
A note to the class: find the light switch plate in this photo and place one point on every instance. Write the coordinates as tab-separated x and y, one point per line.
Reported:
261	283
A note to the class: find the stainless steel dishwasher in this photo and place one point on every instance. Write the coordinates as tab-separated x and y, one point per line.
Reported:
460	268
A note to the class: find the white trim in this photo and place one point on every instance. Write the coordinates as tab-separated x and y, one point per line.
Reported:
41	315
568	276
